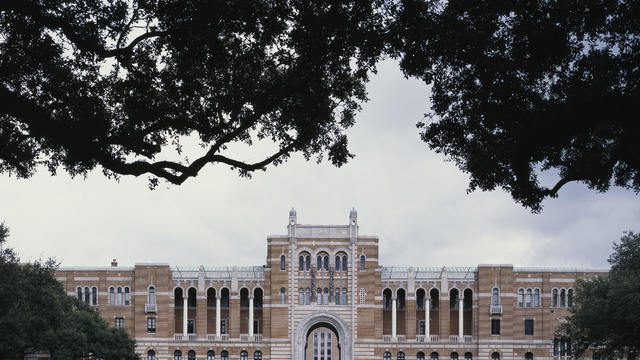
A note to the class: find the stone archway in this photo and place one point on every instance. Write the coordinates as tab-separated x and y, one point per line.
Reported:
322	317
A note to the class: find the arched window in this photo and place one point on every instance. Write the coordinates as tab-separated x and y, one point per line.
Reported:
307	296
326	296
495	296
307	263
338	296
434	356
87	295
283	262
338	267
191	355
224	355
536	298
127	296
570	298
554	298
79	290
319	263
387	355
401	355
210	355
420	355
152	295
112	296
468	356
283	299
453	302
454	356
119	298
244	355
301	263
362	262
94	296
177	355
301	296
344	297
495	356
528	356
319	296
556	345
527	299
151	355
562	297
257	355
344	263
520	297
326	263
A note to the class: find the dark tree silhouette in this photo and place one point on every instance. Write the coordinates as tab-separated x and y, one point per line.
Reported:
112	83
36	315
605	318
524	87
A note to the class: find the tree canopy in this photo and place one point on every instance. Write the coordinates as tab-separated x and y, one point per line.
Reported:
113	83
526	96
36	315
522	89
605	318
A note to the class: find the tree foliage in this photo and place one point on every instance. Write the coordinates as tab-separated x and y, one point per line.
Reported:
605	318
36	315
526	96
524	87
114	83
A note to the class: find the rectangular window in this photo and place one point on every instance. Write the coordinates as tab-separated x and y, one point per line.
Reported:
151	325
495	327
421	328
223	326
119	323
191	326
528	327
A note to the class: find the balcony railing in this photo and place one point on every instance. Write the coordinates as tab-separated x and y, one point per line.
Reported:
420	338
244	337
453	338
150	308
401	338
434	338
495	310
257	337
468	338
386	338
182	337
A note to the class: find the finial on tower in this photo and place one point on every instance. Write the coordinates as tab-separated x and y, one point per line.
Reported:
353	213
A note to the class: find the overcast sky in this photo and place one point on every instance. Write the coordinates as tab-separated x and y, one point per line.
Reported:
410	197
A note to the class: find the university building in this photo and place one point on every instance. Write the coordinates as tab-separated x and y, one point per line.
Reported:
322	295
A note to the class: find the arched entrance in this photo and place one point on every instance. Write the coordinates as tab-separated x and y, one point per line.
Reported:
330	321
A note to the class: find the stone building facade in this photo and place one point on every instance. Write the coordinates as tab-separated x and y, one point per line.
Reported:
322	295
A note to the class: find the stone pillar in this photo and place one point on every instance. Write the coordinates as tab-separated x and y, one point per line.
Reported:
393	316
460	319
250	315
185	311
218	322
427	308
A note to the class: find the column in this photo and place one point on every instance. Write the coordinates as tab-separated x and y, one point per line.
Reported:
218	321
250	315
460	319
393	317
426	318
185	311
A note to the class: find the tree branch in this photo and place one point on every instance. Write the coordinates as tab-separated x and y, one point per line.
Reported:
93	45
